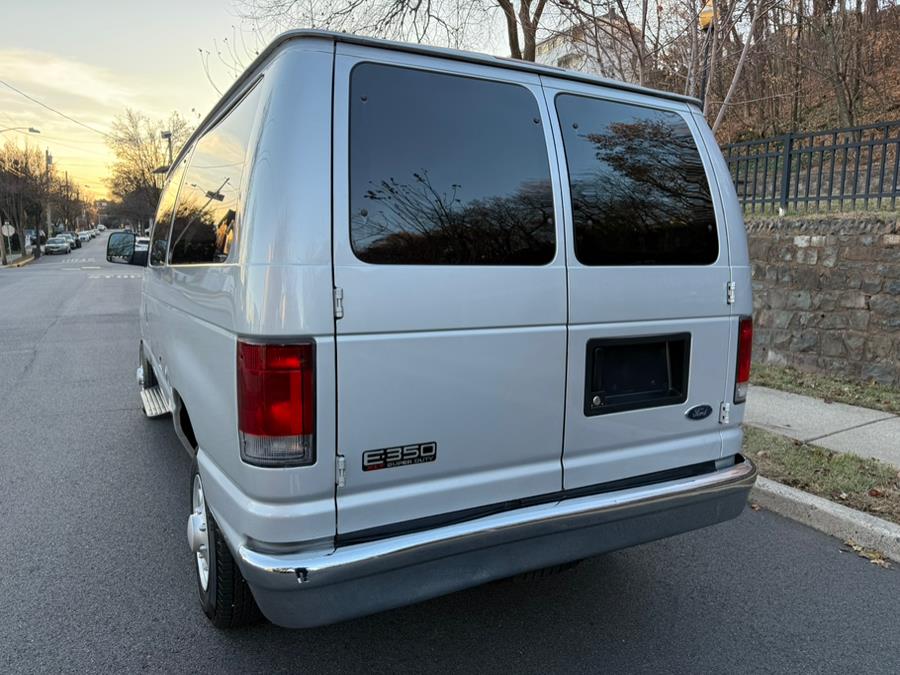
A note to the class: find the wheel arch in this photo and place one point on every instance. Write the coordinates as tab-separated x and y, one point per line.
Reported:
184	428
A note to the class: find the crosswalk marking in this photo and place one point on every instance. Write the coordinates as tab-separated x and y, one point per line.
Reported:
69	261
114	276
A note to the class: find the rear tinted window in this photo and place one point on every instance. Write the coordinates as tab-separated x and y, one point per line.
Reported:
206	217
447	170
639	192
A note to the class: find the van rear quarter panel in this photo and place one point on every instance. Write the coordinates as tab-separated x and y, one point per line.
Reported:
279	289
733	217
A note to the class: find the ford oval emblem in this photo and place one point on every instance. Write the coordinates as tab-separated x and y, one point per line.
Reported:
699	412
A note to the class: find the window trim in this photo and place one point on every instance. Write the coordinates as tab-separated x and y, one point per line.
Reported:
549	148
189	157
702	153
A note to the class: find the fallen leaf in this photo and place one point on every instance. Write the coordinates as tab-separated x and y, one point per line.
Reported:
873	556
755	506
875	492
843	495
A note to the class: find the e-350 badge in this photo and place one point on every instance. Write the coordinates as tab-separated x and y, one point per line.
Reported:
401	455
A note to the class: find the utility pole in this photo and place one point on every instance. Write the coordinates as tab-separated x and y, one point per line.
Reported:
3	260
67	200
707	24
48	160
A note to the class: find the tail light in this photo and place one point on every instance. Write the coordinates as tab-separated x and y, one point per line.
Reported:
744	349
276	403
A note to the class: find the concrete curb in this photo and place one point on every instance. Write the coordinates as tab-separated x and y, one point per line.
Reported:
18	263
828	517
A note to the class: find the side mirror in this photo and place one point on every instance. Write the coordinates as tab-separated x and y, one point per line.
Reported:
120	249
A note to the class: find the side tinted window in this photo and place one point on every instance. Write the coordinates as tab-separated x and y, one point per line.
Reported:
159	240
205	220
447	170
639	192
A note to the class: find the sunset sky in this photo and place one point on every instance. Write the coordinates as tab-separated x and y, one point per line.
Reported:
90	59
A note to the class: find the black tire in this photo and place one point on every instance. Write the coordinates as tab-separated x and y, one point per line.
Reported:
227	600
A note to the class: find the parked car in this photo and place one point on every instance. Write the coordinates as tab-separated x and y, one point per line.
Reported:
84	236
57	245
102	228
71	238
493	319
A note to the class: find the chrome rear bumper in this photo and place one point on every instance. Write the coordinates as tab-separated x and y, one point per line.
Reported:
314	588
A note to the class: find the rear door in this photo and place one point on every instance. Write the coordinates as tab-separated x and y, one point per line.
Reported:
451	349
648	268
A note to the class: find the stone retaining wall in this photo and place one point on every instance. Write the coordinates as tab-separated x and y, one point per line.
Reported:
827	294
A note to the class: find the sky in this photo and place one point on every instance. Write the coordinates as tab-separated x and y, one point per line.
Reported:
91	59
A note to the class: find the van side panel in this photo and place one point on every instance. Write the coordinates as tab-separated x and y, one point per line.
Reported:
279	288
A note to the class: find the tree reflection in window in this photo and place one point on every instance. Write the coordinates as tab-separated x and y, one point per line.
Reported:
206	216
447	170
639	191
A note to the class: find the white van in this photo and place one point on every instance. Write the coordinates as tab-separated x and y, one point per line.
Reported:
426	319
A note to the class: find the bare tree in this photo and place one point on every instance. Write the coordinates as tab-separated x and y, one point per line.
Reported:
767	63
735	78
141	158
453	23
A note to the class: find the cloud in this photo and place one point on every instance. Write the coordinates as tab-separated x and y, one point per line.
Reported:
91	94
74	87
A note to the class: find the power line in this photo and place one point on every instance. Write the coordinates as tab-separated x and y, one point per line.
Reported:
54	110
58	141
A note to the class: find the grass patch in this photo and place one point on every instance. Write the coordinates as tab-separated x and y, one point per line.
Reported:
792	214
865	394
864	484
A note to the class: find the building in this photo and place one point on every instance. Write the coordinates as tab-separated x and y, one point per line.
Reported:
602	47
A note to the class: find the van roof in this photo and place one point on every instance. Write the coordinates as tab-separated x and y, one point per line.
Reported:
440	52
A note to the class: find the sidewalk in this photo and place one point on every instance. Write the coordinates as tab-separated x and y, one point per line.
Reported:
13	259
835	426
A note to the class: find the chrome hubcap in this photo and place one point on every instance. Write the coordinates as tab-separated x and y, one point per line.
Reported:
197	532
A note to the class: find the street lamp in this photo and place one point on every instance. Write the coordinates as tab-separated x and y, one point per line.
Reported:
167	136
30	130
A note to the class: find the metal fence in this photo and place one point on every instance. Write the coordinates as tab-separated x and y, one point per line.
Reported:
840	169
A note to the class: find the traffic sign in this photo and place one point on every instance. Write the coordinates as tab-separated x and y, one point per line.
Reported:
7	230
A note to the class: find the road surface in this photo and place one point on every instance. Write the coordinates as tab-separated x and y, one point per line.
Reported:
96	575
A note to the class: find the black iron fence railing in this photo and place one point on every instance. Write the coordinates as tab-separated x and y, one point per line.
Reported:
839	169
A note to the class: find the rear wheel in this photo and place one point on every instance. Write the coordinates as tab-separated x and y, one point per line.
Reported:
224	594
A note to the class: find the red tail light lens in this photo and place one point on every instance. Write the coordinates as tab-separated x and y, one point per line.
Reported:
276	403
744	351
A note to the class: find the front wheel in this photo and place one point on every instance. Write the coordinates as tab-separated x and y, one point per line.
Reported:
224	594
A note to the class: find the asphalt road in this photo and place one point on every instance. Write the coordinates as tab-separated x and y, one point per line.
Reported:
95	573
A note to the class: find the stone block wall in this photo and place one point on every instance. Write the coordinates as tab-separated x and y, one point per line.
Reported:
827	294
